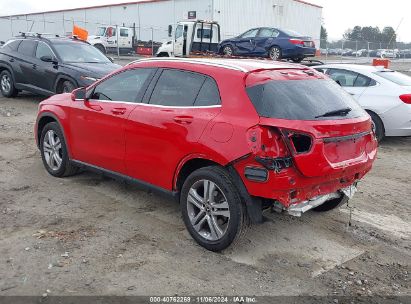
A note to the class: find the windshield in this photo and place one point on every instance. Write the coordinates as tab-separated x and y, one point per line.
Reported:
292	33
80	53
303	100
100	31
396	77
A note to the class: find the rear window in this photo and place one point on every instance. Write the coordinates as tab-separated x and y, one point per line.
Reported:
396	77
302	100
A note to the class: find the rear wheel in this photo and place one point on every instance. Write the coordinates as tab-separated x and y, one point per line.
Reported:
228	50
7	84
275	53
378	126
67	87
54	151
212	209
297	60
331	204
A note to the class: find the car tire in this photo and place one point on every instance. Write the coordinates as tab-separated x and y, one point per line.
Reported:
7	87
101	48
297	60
54	151
275	53
67	87
214	222
378	126
331	204
228	50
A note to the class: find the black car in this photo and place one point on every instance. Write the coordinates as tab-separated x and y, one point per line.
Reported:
47	66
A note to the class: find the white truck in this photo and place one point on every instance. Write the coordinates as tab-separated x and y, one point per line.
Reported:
192	37
107	37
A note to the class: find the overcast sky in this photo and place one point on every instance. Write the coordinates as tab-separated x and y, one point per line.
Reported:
338	14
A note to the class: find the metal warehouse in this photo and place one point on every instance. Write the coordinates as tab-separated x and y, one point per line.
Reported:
152	18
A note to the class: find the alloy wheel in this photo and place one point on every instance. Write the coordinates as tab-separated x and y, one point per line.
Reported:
52	150
228	51
6	84
208	210
275	53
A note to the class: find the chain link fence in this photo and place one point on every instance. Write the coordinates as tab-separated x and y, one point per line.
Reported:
350	50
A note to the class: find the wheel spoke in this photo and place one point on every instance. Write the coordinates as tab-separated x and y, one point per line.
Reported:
215	231
195	199
50	137
198	226
49	159
211	189
225	213
200	215
57	144
57	159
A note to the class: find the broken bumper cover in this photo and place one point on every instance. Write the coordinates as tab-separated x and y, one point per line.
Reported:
302	207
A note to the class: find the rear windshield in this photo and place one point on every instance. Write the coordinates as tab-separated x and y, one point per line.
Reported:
302	100
398	78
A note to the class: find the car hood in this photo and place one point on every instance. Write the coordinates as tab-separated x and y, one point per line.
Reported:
96	70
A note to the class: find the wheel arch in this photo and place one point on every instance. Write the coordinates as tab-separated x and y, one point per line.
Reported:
195	162
42	121
5	66
379	117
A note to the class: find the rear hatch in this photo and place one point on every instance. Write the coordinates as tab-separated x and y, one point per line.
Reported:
325	130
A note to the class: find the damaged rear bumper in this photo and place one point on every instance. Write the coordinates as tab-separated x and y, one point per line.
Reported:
302	207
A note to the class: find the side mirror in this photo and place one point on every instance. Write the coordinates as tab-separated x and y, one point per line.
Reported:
48	58
2	42
79	94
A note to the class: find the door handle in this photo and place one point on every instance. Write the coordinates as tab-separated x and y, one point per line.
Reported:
183	120
94	107
34	66
118	111
11	59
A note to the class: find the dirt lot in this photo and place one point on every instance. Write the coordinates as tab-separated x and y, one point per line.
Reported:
89	235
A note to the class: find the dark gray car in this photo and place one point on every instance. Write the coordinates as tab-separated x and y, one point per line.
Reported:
47	66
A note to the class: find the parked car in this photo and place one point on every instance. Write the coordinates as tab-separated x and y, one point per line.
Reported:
360	53
383	93
387	53
212	134
47	66
269	42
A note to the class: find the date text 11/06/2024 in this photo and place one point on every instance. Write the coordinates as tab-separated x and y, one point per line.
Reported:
203	299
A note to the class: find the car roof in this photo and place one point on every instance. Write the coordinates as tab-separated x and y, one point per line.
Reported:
242	65
50	39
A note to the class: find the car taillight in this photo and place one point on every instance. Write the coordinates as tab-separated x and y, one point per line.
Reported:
406	98
297	41
298	142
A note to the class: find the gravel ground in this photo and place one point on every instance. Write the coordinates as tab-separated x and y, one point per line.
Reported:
90	235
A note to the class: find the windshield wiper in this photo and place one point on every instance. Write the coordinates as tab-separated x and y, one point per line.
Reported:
340	112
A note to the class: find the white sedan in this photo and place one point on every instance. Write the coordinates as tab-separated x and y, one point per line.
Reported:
383	93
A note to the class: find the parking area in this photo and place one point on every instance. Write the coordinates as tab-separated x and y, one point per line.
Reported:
90	235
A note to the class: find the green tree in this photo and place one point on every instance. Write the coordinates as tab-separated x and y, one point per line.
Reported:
324	37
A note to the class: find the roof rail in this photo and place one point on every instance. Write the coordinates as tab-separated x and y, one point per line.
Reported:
38	35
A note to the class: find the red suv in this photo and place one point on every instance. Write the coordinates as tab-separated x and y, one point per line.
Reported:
227	138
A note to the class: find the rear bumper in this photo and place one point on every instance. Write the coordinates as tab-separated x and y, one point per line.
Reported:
299	51
289	187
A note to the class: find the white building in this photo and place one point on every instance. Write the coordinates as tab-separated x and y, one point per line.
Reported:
153	17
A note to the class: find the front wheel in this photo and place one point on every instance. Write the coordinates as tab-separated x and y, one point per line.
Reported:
228	50
212	209
275	53
7	87
297	60
54	151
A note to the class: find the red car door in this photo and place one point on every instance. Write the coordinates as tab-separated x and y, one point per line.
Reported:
165	129
98	124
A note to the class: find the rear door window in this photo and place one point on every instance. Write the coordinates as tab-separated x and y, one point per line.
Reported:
126	86
208	95
27	47
177	88
302	99
343	77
